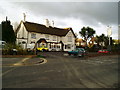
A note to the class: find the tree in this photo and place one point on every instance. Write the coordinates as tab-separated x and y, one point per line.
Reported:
87	33
8	34
102	40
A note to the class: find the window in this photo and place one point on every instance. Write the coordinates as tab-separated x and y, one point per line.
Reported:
32	42
19	43
50	46
18	35
23	33
23	42
54	46
68	46
54	38
65	46
69	39
58	46
47	36
33	35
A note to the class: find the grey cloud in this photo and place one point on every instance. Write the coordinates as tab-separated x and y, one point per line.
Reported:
119	13
106	13
88	12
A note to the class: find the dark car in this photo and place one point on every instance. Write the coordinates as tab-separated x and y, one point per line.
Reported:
77	52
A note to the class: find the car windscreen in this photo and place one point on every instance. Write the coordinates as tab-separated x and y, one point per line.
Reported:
81	49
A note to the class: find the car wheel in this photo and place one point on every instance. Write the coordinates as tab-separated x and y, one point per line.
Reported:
43	50
79	55
75	54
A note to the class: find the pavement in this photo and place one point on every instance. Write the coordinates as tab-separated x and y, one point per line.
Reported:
57	70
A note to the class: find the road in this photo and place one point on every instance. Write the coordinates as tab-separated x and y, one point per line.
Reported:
60	71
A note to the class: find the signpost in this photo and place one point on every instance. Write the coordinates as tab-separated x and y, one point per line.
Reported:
109	33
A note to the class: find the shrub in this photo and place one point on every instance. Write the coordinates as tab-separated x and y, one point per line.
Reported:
10	49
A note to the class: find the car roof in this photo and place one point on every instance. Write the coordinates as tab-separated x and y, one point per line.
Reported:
2	41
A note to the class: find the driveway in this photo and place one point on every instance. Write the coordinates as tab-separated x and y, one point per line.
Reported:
61	71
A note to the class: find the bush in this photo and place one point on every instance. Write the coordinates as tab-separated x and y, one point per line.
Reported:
116	48
11	49
8	48
95	48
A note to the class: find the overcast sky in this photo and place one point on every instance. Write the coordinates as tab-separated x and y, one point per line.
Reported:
97	15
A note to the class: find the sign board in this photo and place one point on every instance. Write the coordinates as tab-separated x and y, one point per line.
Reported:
109	31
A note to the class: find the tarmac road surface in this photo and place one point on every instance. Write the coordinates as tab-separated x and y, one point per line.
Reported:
61	71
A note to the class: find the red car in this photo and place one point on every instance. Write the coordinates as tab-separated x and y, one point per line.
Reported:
103	51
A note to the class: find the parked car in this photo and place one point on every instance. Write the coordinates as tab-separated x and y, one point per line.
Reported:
103	51
12	51
42	49
77	52
2	43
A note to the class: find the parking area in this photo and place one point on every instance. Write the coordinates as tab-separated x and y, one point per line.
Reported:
60	71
